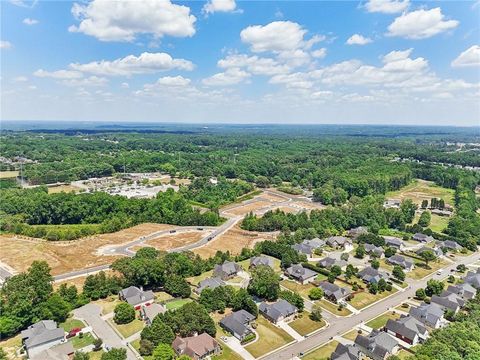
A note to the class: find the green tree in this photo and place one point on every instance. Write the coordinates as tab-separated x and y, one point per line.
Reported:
158	332
163	352
420	294
375	263
360	252
56	308
408	208
264	283
79	355
315	293
425	219
316	314
115	354
427	256
434	287
398	273
124	313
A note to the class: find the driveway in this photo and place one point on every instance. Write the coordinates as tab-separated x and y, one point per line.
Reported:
234	344
91	314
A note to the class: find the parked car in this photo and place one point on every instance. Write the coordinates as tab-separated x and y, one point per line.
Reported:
73	332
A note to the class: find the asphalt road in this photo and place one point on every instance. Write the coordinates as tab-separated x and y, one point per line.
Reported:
339	325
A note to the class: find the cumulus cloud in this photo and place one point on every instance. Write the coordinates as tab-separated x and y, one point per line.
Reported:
87	81
213	6
470	57
319	53
229	77
253	64
421	24
131	65
295	80
59	74
173	81
20	79
387	6
28	21
125	20
357	39
5	44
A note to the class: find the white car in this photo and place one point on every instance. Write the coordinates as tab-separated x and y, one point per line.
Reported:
439	272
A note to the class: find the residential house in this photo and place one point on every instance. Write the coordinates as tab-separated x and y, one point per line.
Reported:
422	238
149	312
136	297
301	274
238	324
450	245
308	247
333	292
375	251
431	315
392	241
408	329
401	261
436	250
198	347
378	345
392	204
448	301
473	278
330	261
41	336
227	270
58	352
261	260
209	283
465	291
282	310
441	212
356	232
346	352
372	276
340	242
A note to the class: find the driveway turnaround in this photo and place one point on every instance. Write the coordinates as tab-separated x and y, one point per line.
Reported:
91	314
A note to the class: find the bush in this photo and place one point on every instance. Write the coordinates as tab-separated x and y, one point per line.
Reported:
248	338
97	344
124	313
315	293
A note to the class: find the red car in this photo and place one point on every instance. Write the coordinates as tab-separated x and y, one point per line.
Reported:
73	332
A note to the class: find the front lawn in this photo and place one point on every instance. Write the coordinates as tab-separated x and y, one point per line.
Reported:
175	304
108	304
300	289
162	296
333	308
419	272
227	354
194	280
351	335
305	325
365	298
381	321
129	329
322	352
96	355
80	342
71	323
270	338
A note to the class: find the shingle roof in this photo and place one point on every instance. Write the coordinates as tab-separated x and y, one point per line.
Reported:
337	240
303	248
58	352
199	345
237	322
400	261
473	278
391	240
278	309
437	251
448	300
377	250
369	274
153	310
345	352
328	262
42	332
135	296
428	314
377	342
228	268
422	237
334	290
465	290
297	271
210	283
261	260
406	326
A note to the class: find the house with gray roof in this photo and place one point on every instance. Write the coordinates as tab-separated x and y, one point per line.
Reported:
375	251
62	351
148	313
408	329
450	245
378	345
209	283
300	274
346	352
436	250
238	324
395	242
422	238
473	278
340	242
431	315
136	297
227	270
465	291
41	336
330	261
333	292
356	232
197	347
282	310
392	203
403	262
308	247
448	301
372	276
261	260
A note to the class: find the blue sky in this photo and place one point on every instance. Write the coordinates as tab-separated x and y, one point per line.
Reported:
375	61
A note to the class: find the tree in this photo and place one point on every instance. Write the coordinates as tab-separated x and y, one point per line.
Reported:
265	283
242	300
398	273
158	332
382	285
176	286
262	181
97	344
390	251
425	219
344	256
115	354
375	263
350	271
146	347
424	204
408	208
79	355
124	313
316	314
293	298
56	308
360	252
336	270
189	319
461	268
434	287
163	352
427	255
315	293
420	294
373	288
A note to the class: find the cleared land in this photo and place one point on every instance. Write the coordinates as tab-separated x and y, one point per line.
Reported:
438	223
63	188
8	174
64	256
171	241
270	338
233	240
305	325
420	190
322	352
108	304
251	207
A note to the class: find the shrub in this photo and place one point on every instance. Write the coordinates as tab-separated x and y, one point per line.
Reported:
124	313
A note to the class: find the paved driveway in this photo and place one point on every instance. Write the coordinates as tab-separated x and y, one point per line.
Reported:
91	314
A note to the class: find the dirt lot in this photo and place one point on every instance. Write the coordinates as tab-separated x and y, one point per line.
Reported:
422	190
19	252
233	240
172	241
8	174
245	209
64	188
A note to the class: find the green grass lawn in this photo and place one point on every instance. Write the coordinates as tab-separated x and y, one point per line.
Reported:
175	304
351	335
365	298
108	304
227	353
129	329
71	323
302	290
194	280
80	342
246	263
95	355
162	296
136	345
381	320
305	325
438	223
419	190
270	338
323	352
420	272
333	308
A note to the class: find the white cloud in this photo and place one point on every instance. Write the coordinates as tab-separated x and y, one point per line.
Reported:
130	65
24	3
295	80
470	57
20	79
173	81
88	81
231	76
421	24
357	39
28	21
320	53
5	44
124	20
213	6
387	6
253	64
59	74
125	85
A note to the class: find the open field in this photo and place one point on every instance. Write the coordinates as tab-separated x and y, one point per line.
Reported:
438	223
381	320
305	325
8	174
420	190
233	240
64	256
63	188
171	241
270	338
303	290
251	207
365	298
322	352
